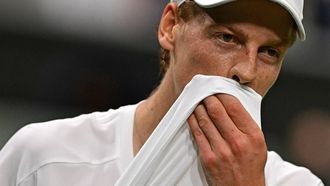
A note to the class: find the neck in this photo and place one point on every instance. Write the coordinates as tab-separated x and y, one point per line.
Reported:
150	112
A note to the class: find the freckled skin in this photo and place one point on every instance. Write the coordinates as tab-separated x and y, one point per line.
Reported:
196	52
237	41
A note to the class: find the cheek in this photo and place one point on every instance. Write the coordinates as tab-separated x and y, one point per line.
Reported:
275	73
267	79
197	60
184	71
209	60
201	59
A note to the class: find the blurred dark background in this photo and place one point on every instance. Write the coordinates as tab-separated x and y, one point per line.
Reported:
62	58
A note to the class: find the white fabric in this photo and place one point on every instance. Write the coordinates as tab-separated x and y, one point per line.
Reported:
169	156
95	149
89	150
170	147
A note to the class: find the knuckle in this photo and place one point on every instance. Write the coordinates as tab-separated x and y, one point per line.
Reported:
233	110
203	122
209	160
256	135
226	156
258	138
213	110
239	146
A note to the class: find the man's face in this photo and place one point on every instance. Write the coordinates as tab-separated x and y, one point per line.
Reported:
245	41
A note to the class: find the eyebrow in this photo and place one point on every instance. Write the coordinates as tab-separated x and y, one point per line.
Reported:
281	42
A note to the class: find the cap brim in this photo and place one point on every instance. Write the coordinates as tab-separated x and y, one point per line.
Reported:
295	16
284	4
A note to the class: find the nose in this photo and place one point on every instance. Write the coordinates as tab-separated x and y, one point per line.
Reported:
244	69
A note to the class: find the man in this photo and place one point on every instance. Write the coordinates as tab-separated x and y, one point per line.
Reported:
244	40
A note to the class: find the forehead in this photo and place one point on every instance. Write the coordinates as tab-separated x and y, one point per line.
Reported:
259	12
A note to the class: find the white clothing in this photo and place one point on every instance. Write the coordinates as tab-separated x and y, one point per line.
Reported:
89	150
169	156
95	150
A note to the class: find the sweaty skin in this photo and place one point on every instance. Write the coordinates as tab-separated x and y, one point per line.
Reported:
236	41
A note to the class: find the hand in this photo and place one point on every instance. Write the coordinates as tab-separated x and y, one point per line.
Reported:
232	148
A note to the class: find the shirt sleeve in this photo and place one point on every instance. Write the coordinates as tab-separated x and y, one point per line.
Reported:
12	157
281	173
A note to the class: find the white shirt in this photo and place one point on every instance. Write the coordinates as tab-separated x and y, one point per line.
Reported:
94	150
89	150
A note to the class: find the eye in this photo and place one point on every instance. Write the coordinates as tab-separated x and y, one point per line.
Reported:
270	55
270	52
227	38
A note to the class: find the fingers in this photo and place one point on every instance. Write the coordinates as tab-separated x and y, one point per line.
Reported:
228	156
220	118
243	121
238	115
223	122
200	139
205	132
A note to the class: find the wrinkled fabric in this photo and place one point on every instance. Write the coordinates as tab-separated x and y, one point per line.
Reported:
169	156
96	149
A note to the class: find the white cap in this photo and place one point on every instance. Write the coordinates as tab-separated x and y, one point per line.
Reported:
294	7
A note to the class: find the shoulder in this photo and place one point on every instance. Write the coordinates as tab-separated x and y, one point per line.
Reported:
77	130
78	139
282	173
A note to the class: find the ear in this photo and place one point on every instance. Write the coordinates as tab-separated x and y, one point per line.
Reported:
166	26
